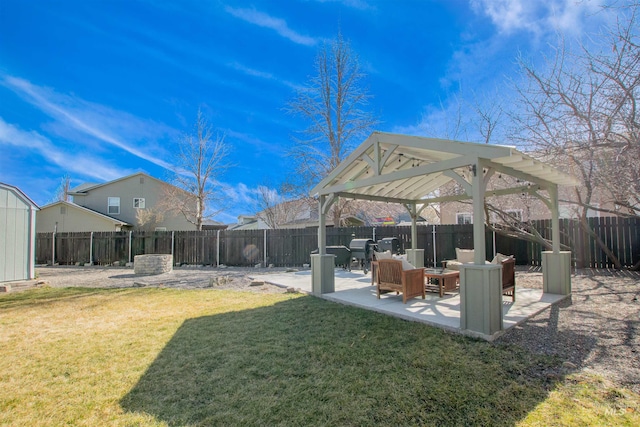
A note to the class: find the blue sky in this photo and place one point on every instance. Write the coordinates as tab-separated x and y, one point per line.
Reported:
100	89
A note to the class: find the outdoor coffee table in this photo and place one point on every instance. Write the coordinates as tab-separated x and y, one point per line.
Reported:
440	280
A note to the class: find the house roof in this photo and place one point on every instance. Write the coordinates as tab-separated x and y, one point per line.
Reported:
209	224
86	210
87	186
411	169
19	194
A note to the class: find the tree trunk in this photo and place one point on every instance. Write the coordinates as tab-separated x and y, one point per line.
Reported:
584	224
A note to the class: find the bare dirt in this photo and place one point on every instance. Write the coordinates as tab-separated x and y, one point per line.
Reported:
596	330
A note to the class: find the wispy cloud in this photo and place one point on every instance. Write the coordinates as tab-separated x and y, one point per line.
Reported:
257	143
536	17
262	75
84	165
101	123
355	4
279	25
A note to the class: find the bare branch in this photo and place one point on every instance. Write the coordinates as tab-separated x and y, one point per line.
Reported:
201	160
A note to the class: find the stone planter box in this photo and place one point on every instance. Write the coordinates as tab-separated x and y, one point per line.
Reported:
152	264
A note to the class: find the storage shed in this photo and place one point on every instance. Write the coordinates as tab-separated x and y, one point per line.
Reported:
17	235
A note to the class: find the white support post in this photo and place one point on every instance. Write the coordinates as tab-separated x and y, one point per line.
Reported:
555	219
415	256
414	226
323	265
556	264
478	188
322	227
480	283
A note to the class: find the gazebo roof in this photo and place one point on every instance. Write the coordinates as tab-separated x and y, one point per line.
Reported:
409	169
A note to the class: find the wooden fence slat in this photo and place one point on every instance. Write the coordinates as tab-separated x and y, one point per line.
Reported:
292	247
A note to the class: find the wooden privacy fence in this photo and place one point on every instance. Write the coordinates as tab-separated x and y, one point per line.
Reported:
292	247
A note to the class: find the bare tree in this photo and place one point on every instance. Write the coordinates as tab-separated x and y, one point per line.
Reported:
62	192
148	219
582	113
333	104
275	209
201	160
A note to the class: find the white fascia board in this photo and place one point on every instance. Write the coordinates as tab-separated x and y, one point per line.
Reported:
487	151
346	163
404	174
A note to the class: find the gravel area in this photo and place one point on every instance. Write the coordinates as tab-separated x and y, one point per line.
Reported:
236	278
596	330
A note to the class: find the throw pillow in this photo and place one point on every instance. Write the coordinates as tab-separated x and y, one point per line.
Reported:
382	255
499	258
406	265
464	255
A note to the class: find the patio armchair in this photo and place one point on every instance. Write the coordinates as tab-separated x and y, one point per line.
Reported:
390	277
509	277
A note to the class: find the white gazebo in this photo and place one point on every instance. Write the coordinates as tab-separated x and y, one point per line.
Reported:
411	170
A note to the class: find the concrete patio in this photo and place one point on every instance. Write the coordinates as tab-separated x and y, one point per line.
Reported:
354	288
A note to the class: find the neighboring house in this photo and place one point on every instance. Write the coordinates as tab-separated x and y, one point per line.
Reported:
63	217
248	222
17	235
523	207
135	200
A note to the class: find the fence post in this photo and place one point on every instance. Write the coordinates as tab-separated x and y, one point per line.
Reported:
433	235
265	247
173	233
218	248
130	232
91	249
53	248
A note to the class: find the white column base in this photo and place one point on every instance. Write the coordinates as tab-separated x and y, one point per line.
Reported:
556	272
416	257
481	298
323	280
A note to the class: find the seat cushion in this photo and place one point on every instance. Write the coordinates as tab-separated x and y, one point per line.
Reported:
453	265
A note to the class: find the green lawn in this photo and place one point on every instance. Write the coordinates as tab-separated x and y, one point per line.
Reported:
174	357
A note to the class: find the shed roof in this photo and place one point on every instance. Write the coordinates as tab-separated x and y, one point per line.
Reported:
410	169
19	194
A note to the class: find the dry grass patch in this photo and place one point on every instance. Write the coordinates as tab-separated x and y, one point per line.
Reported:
170	357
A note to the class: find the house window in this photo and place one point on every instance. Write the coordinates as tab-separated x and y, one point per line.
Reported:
113	205
515	214
464	218
138	203
594	213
